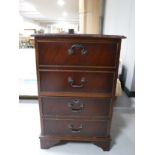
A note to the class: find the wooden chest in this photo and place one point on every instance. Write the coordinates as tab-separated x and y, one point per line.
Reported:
76	86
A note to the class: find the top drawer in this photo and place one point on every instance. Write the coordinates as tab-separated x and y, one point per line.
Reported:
67	53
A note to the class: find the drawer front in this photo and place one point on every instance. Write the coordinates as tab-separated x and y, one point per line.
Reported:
67	106
76	81
76	54
75	127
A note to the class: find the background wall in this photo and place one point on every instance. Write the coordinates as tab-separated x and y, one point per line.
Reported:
90	16
25	23
119	19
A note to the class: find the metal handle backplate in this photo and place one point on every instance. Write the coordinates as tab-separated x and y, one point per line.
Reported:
72	82
75	106
75	130
71	50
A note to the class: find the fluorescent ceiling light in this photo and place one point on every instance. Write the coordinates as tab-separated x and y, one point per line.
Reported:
65	14
60	2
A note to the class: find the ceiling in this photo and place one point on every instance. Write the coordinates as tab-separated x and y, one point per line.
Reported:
49	10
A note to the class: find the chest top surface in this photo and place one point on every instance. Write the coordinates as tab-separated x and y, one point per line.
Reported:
75	36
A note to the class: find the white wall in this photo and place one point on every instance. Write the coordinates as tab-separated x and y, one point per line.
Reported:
25	23
119	20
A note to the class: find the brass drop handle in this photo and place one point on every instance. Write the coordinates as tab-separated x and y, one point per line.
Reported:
71	50
73	107
72	82
75	130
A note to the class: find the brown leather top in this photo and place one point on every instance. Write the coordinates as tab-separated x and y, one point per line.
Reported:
55	35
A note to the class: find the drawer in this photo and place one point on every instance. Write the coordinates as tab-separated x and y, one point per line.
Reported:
67	106
76	81
78	54
76	127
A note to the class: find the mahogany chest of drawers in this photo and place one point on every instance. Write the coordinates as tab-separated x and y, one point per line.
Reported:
76	86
